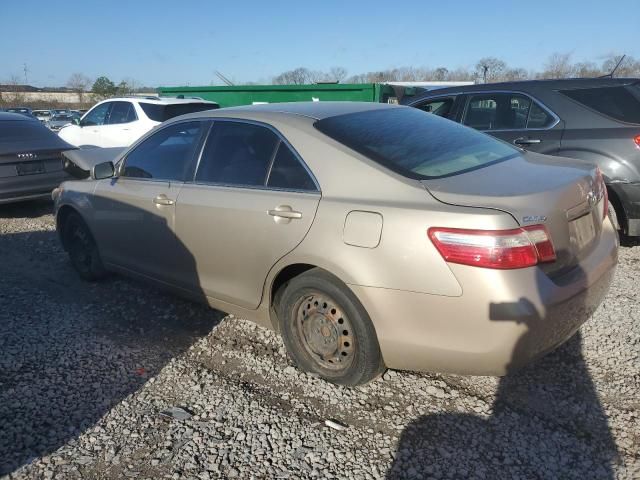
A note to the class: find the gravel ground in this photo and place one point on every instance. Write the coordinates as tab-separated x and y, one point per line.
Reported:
86	371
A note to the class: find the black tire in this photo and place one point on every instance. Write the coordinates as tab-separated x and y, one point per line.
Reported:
327	331
82	249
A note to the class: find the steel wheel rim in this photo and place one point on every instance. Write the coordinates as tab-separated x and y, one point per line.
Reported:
325	331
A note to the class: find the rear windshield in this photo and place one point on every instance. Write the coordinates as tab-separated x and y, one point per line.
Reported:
160	113
621	103
28	135
414	143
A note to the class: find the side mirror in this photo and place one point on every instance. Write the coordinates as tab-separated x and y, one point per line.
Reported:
76	121
103	170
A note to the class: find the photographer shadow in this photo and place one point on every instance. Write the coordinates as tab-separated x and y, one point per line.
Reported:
72	350
546	420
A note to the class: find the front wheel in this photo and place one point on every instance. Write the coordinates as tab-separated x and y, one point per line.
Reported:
327	331
82	249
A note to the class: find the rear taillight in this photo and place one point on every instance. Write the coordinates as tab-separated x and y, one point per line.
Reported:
636	139
500	249
602	193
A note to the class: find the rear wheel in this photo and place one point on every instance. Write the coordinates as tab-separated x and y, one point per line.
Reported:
327	331
82	249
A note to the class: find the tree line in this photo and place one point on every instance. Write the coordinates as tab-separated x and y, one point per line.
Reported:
487	69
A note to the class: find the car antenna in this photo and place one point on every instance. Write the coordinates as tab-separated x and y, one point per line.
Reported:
610	74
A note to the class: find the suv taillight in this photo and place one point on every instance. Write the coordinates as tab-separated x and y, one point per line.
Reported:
498	249
636	139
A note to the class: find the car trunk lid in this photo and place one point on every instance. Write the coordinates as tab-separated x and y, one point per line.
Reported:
562	194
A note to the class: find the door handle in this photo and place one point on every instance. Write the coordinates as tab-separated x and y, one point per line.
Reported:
527	141
284	211
163	200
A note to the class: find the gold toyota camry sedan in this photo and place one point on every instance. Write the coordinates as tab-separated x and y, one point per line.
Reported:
368	235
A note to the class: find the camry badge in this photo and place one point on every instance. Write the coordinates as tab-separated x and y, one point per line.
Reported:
534	219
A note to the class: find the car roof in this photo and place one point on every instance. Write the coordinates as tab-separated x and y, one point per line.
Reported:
551	84
159	100
314	110
14	117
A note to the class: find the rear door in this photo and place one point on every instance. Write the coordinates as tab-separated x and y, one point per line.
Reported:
252	201
515	118
119	128
135	212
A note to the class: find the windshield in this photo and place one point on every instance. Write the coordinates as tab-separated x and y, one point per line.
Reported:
414	143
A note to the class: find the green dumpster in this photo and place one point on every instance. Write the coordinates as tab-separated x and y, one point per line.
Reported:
230	96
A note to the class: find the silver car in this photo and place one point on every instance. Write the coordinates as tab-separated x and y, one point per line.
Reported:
369	235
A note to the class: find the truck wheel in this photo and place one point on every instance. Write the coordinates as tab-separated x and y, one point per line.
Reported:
327	331
82	249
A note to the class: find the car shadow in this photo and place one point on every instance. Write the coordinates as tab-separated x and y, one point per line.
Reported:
26	209
72	350
545	421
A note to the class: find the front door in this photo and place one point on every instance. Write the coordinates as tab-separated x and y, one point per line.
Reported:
91	125
252	202
514	118
135	211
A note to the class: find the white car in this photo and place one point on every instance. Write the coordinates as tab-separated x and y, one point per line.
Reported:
118	122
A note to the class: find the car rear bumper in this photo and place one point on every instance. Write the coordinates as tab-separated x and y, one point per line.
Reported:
503	320
30	187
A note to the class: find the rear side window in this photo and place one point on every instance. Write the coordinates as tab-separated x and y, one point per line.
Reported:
497	111
121	112
538	118
415	145
619	103
288	173
165	155
160	113
237	154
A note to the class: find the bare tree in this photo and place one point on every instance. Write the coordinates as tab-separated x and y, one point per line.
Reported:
79	83
298	76
490	69
513	74
587	70
440	74
17	94
338	73
629	67
558	65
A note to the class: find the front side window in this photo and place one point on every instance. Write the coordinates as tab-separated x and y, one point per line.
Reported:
237	154
441	107
497	111
97	116
415	145
621	103
288	173
167	154
122	112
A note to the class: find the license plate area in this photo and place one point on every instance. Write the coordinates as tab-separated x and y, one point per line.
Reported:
30	168
583	231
